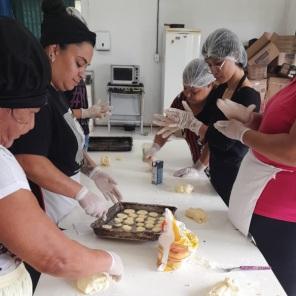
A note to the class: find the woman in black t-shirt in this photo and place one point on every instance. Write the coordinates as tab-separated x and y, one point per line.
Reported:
226	58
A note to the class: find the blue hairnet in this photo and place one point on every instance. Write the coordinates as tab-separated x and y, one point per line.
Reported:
196	74
222	44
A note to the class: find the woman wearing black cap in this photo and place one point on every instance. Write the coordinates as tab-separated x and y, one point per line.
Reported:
55	144
26	233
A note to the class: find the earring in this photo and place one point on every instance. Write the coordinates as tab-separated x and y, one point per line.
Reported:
51	57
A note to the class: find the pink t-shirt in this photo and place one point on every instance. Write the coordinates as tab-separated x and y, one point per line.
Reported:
278	199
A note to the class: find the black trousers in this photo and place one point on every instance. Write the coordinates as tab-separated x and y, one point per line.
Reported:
276	240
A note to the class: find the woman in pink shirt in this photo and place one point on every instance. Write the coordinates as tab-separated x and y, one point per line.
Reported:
263	198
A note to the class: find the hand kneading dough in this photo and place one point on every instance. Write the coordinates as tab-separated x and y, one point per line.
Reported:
198	215
105	161
184	188
225	288
93	284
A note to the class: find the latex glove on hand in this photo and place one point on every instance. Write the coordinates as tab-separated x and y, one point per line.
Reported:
94	205
175	119
233	110
116	268
106	185
232	129
99	110
149	154
193	171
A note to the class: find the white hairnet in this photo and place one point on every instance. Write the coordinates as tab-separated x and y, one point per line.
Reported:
196	74
222	44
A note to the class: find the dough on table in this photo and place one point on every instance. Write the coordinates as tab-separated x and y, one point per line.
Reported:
142	212
105	161
121	215
153	214
129	211
93	284
107	226
127	228
184	188
225	288
197	214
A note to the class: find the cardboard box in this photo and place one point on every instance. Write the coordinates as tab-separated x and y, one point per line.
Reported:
259	44
274	85
286	58
261	87
257	72
265	56
284	43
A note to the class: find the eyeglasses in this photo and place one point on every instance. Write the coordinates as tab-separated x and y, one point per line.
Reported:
216	68
19	117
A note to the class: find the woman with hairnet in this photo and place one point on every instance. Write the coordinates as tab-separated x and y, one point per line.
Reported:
226	59
198	83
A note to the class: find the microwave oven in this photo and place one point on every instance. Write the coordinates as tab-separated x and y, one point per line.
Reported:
125	74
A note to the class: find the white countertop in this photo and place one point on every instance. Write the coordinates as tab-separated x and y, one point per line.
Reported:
219	242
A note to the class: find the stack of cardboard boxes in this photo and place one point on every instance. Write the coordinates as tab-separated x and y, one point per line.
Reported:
274	50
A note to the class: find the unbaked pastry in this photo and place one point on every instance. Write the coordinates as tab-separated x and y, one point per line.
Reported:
129	221
225	288
140	229
121	215
107	226
93	284
117	225
153	214
140	219
118	220
129	211
127	228
142	212
105	161
197	214
149	225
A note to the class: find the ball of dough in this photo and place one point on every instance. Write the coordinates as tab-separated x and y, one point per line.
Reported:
129	211
107	226
117	225
105	161
140	229
118	220
184	188
129	221
132	215
156	229
93	284
153	214
149	226
197	214
227	287
140	219
121	215
142	212
140	224
127	228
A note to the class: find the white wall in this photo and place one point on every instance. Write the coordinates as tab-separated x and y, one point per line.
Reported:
290	17
132	24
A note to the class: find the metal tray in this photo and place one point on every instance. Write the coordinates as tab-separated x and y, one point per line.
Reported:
118	233
110	144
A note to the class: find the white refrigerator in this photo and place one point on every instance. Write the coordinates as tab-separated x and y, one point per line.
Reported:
180	47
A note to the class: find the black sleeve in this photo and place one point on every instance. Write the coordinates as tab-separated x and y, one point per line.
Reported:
37	141
245	96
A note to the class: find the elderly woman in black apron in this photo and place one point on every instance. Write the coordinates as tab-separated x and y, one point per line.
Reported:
226	58
26	233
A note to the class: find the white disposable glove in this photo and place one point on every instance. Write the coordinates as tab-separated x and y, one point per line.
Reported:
232	129
233	110
193	171
150	153
175	119
94	205
116	268
106	185
99	110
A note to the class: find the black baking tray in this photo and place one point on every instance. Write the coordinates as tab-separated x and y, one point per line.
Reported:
110	144
114	233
